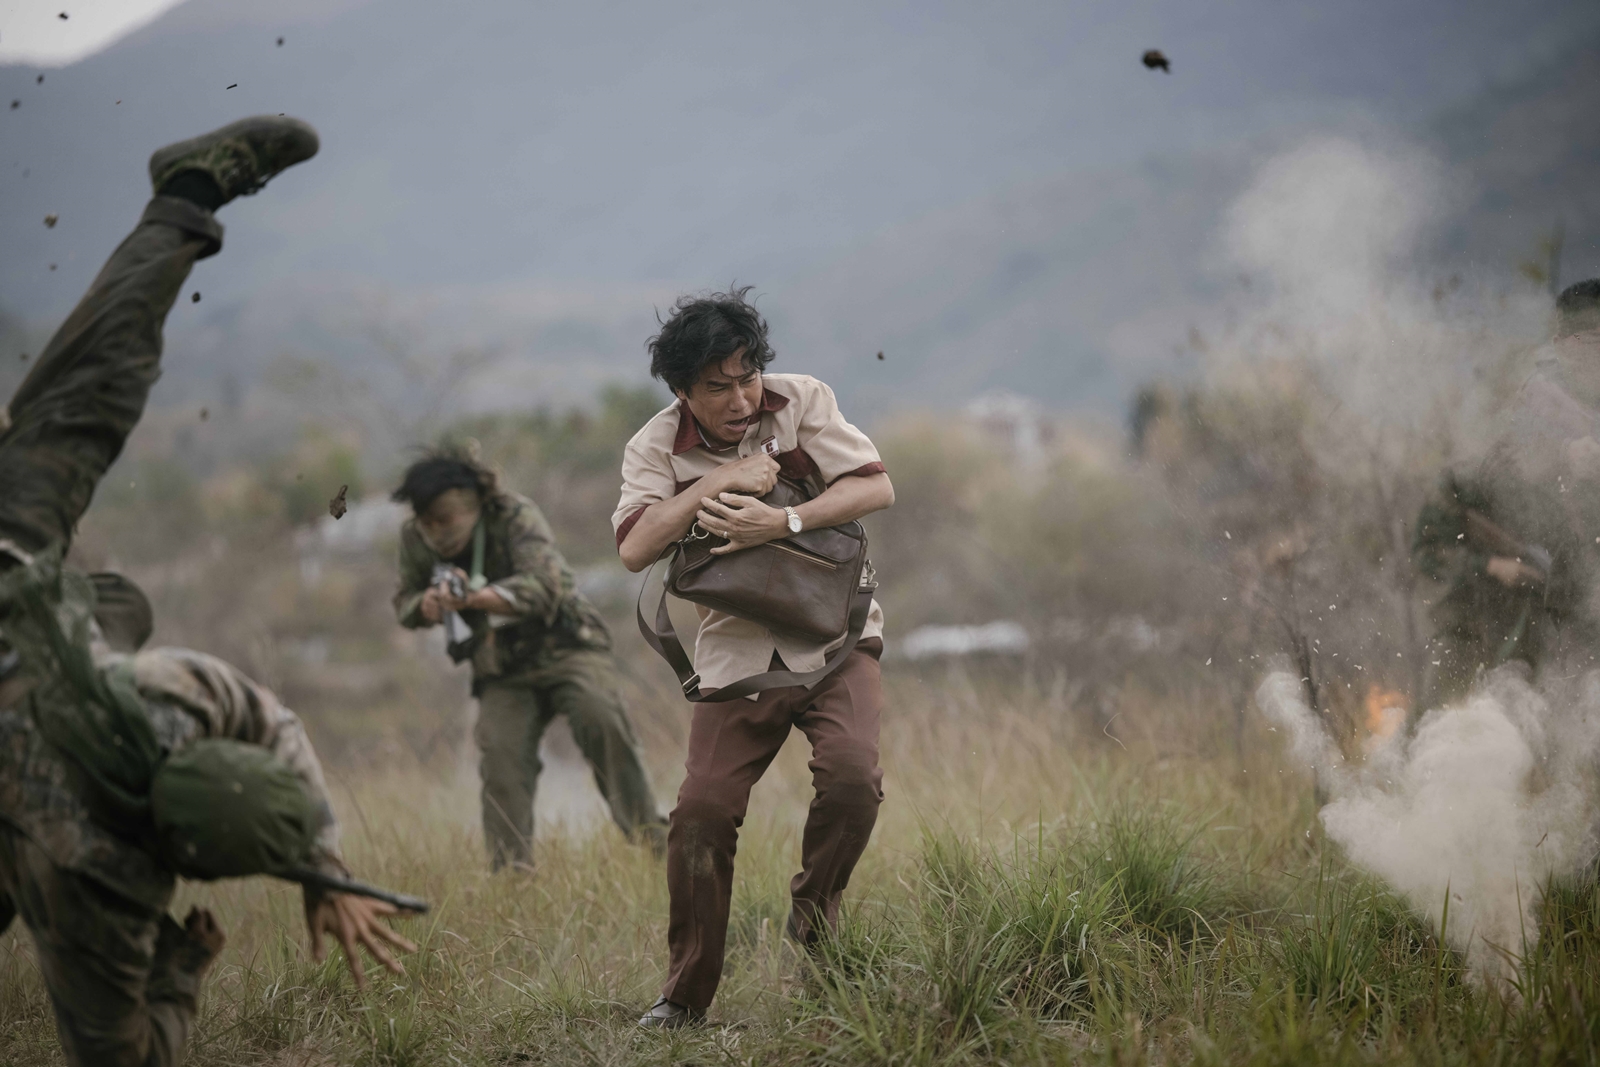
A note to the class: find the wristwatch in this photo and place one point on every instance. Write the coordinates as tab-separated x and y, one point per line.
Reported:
795	526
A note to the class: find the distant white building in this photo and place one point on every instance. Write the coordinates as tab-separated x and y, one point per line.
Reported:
1014	423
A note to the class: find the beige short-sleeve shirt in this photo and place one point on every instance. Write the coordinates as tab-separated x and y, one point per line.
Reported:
800	427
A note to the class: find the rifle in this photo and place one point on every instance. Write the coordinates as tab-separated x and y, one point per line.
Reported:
456	630
332	883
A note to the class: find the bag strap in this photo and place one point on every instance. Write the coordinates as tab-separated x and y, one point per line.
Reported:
663	637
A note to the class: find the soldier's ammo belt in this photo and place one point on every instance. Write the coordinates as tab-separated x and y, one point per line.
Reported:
815	586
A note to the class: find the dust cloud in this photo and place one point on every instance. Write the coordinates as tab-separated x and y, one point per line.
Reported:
1468	817
1468	813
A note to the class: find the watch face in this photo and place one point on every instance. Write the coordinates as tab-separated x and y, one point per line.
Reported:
794	524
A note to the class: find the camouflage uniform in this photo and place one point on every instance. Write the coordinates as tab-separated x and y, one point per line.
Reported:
551	656
1532	484
95	901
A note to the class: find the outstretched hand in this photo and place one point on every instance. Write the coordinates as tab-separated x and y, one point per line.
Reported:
355	920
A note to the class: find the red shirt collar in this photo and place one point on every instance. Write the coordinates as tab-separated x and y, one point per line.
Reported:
689	435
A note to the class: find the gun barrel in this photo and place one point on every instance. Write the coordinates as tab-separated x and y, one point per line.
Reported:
1497	540
335	884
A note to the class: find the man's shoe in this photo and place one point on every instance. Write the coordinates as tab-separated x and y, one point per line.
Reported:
665	1015
241	157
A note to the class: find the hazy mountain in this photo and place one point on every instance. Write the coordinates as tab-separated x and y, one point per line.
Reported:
993	195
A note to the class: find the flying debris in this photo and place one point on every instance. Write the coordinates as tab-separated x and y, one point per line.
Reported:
196	297
23	357
62	16
880	355
39	80
15	104
280	42
52	266
336	506
205	413
50	221
1154	60
235	85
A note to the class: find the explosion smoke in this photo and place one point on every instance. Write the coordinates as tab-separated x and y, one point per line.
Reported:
1485	802
1485	799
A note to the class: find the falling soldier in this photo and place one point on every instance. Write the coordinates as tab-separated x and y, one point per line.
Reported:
482	561
1513	540
121	769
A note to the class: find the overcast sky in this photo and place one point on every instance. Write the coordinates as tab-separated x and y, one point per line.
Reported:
601	146
33	31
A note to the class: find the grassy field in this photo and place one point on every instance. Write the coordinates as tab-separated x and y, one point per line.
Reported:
1035	893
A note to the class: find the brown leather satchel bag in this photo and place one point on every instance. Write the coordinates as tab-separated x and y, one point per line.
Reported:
815	585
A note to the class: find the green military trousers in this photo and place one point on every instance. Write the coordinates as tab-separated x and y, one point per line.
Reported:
119	996
512	716
71	415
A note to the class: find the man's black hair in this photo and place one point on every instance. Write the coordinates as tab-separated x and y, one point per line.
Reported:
705	330
431	476
1578	308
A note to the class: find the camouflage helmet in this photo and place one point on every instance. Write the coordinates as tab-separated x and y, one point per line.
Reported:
227	809
1578	308
121	610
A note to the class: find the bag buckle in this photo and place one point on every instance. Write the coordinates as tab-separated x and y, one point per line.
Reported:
869	577
691	684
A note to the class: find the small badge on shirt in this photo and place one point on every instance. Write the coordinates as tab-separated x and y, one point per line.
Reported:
770	446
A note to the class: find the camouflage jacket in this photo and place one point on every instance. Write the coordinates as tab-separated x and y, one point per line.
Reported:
188	695
520	560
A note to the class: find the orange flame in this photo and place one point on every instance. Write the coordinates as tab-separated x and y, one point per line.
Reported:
1386	712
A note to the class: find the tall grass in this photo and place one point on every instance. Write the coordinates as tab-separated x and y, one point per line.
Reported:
1032	896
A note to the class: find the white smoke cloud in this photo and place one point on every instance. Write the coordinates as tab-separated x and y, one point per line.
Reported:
1333	235
1485	800
1331	222
1484	803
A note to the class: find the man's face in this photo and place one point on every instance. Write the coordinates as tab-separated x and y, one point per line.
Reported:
726	400
446	523
1580	365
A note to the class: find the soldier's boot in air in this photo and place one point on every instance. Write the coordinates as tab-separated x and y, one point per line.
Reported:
239	158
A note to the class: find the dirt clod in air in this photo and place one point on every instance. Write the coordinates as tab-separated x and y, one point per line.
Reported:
336	506
50	221
1154	60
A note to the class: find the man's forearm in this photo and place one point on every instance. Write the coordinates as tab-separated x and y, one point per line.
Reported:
664	522
851	497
